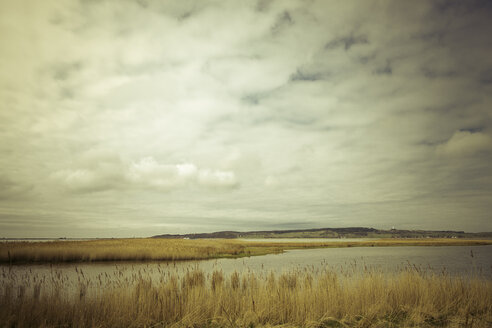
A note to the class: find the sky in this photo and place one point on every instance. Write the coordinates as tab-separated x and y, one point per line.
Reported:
136	118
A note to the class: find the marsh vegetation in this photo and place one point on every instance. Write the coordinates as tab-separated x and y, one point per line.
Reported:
147	249
301	298
167	293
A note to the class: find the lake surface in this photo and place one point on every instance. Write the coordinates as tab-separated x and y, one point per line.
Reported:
454	260
305	240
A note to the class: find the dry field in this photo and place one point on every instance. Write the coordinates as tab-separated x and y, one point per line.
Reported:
302	298
147	249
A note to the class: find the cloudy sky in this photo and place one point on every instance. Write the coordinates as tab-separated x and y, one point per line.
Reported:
136	118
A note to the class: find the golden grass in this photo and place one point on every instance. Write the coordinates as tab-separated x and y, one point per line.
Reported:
147	249
302	298
123	250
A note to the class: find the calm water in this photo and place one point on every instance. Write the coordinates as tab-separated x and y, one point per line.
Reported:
454	260
305	240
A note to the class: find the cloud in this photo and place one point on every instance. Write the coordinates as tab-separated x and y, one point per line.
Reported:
146	173
466	143
217	179
12	190
271	182
347	42
83	180
178	111
284	20
301	75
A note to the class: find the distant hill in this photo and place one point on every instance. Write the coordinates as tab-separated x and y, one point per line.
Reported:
352	232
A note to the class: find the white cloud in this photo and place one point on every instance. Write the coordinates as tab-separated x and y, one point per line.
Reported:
217	179
149	173
146	173
271	181
187	170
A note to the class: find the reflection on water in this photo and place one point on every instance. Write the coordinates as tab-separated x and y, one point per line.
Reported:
454	260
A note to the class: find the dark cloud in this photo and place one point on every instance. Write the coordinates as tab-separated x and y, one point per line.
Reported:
302	75
432	37
14	190
143	3
385	69
433	73
486	77
347	42
263	5
251	99
472	129
63	71
456	6
284	20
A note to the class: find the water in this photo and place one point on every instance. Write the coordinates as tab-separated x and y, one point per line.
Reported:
454	260
306	240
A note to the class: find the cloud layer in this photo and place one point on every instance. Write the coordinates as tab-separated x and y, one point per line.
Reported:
141	117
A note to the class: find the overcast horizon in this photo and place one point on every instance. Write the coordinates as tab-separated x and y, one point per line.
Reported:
139	118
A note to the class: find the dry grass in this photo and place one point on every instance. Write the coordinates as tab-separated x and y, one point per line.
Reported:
121	250
180	249
303	298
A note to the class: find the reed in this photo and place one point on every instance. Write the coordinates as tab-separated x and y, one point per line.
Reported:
148	249
121	250
302	298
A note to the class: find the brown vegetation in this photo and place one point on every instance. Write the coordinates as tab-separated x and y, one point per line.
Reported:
124	250
303	298
147	249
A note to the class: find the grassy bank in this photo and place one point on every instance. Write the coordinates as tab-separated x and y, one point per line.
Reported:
304	298
147	249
